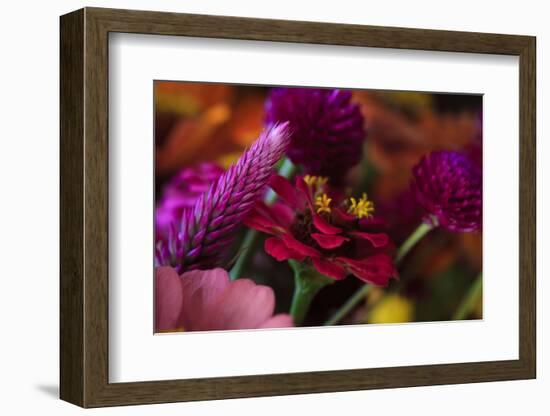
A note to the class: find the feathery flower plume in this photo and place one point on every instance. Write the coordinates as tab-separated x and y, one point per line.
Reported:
448	186
327	129
209	227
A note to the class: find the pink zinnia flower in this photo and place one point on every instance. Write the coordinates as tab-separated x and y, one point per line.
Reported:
337	239
206	300
182	192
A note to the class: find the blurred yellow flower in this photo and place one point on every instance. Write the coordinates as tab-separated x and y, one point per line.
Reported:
182	105
229	159
477	313
392	309
407	100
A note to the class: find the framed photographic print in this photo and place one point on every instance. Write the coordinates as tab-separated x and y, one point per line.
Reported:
260	207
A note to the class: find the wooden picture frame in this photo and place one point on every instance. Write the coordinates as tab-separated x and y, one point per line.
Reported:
84	207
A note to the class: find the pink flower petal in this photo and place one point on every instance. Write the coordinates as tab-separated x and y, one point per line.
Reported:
285	190
282	320
168	299
329	241
329	268
242	305
377	239
299	247
324	226
211	302
280	251
201	289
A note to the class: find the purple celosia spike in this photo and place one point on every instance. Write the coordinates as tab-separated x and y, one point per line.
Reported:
448	186
327	129
208	228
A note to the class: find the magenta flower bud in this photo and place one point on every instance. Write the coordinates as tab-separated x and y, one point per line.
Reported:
327	129
209	227
182	192
448	186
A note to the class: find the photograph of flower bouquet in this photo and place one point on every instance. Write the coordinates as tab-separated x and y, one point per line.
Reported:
303	207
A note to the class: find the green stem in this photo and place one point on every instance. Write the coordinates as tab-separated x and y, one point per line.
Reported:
469	301
360	294
246	250
301	301
252	237
307	282
348	306
416	236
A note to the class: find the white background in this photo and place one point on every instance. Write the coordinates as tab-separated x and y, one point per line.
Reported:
29	217
138	59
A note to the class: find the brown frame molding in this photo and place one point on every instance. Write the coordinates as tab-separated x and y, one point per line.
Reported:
84	207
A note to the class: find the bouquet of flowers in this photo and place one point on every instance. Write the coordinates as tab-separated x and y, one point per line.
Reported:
285	233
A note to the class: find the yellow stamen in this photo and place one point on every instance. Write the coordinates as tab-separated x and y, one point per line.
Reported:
322	180
322	203
310	180
315	181
362	207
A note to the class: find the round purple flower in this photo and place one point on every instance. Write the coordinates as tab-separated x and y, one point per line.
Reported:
474	149
327	129
181	192
448	186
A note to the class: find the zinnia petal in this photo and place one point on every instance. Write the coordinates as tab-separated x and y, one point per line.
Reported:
377	239
243	305
329	268
280	251
282	187
284	214
260	222
274	215
282	320
377	269
324	226
329	241
168	299
201	288
299	247
211	302
343	217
